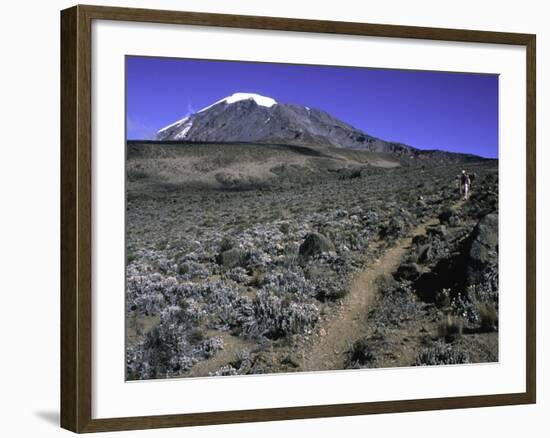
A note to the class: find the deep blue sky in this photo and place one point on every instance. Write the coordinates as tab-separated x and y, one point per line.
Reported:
429	110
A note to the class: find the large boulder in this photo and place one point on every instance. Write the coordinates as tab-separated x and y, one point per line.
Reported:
425	253
483	251
407	271
446	215
420	240
315	244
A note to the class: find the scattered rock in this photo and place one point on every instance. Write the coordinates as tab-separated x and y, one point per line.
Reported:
315	244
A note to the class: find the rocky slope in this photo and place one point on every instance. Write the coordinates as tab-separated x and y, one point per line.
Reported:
245	117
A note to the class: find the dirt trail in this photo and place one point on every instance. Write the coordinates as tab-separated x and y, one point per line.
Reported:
348	324
327	350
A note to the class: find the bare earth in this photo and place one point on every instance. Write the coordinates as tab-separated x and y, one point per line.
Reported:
337	334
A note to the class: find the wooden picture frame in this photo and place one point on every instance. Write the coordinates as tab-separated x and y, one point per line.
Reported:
76	218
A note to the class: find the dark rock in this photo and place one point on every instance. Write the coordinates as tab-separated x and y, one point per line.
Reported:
483	249
420	240
425	253
446	215
315	244
409	271
438	231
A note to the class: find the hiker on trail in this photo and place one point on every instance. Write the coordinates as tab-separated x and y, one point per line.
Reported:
465	184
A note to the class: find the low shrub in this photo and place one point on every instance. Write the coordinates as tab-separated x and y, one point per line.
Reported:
332	293
171	348
440	353
284	227
227	243
275	316
488	316
451	329
360	354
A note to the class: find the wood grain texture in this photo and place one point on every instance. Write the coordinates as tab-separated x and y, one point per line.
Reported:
299	25
531	213
76	219
69	330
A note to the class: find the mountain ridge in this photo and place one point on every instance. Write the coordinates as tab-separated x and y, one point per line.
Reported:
250	117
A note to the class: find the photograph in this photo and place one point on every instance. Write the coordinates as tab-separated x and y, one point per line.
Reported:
286	218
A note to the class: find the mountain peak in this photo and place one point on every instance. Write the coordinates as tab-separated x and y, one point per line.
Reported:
260	100
233	119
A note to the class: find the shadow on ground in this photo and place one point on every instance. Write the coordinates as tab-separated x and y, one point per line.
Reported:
51	417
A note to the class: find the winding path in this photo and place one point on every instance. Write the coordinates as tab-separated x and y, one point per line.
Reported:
337	334
327	349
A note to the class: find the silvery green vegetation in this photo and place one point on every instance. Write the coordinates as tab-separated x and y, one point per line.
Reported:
263	263
237	253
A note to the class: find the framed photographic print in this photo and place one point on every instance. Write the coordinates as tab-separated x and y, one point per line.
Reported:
268	218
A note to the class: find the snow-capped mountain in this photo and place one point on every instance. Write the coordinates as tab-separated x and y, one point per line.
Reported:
248	117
